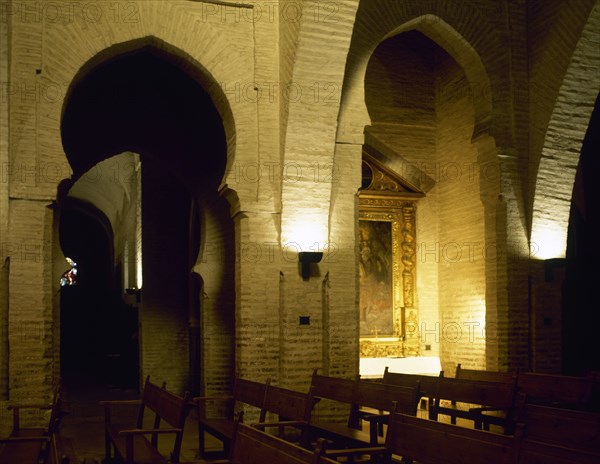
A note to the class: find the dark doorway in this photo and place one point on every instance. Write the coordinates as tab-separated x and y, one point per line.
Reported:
581	317
98	331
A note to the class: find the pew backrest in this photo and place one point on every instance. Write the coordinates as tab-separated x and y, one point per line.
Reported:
484	403
562	427
552	389
427	383
252	446
332	388
500	395
287	404
362	400
431	442
534	452
486	376
382	397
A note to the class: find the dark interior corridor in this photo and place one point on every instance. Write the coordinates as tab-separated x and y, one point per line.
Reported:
98	330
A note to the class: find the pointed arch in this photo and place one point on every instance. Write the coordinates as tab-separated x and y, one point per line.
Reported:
562	145
353	112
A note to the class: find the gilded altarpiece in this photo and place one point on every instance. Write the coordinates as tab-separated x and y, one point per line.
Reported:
388	314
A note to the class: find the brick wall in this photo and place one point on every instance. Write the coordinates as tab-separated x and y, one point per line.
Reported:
460	215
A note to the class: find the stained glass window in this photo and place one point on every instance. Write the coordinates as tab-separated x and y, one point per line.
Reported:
70	276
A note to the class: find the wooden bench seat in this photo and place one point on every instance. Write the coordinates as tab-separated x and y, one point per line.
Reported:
534	452
30	444
556	390
22	450
434	442
427	383
556	435
484	403
32	450
338	393
249	445
131	443
544	435
430	442
354	395
253	446
289	408
282	406
485	376
247	392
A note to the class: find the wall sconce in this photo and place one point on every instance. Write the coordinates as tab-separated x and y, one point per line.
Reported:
306	258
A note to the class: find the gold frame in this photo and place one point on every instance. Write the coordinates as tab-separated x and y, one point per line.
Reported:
383	345
388	198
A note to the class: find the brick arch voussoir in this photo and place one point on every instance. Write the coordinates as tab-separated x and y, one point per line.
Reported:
310	131
466	43
86	51
562	145
184	61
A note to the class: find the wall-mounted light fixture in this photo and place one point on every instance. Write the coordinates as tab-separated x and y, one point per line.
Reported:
306	258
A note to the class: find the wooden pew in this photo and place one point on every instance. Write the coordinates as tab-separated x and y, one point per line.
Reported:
427	383
55	416
486	376
131	444
556	390
291	408
16	450
493	397
557	436
249	445
352	395
431	442
252	446
380	399
246	392
28	444
548	436
22	450
532	452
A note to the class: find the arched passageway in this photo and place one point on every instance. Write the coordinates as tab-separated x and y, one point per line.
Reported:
421	106
143	103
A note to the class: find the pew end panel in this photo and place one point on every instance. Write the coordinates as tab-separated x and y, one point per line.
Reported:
131	443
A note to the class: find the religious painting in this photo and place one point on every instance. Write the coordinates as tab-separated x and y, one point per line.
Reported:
376	280
380	299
